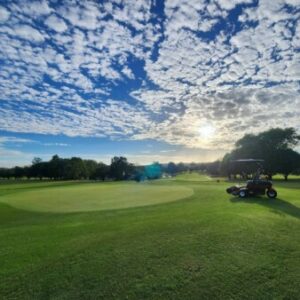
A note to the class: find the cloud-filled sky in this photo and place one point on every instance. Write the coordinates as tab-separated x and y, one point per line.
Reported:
160	80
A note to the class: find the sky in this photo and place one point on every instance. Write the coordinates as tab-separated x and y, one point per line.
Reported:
173	80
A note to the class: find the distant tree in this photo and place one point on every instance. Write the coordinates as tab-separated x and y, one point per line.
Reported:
171	168
225	166
26	172
91	167
140	173
75	168
36	160
192	167
39	170
102	171
181	167
56	167
130	170
6	173
120	168
213	168
19	172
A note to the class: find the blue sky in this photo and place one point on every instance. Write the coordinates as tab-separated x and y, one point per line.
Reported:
152	80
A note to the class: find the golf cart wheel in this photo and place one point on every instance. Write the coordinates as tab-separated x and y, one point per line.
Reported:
242	194
272	194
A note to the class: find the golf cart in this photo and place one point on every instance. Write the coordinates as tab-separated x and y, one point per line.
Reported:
255	186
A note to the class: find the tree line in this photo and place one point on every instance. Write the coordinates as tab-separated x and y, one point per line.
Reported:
76	168
275	146
71	169
120	168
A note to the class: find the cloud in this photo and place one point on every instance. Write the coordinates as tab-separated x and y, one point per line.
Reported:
133	72
11	157
35	8
186	156
56	23
56	144
8	156
4	14
12	139
28	33
230	4
207	25
293	2
84	15
127	72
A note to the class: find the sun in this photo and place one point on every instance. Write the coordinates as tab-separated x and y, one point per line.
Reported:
207	131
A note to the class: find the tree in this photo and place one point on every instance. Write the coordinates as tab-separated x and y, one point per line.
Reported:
120	168
18	172
101	172
280	139
39	170
6	173
26	171
171	168
192	167
181	167
269	145
288	161
214	168
225	165
36	160
75	168
91	167
56	167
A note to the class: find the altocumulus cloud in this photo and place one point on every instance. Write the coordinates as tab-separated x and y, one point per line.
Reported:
149	69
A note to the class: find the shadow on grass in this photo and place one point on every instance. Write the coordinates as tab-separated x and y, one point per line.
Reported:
277	205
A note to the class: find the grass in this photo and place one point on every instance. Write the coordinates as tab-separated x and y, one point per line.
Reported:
209	245
194	176
93	197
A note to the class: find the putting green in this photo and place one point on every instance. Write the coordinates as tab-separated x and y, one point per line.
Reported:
92	197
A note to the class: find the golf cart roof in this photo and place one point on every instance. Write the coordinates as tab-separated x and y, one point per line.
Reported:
248	160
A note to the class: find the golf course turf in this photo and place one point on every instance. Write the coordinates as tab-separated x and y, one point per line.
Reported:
181	238
92	197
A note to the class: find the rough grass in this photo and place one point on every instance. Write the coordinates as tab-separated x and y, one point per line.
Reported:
208	246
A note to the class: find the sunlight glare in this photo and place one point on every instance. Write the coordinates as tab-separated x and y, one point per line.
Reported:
207	131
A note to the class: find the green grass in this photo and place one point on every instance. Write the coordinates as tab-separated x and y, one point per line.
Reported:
207	246
194	176
92	197
290	177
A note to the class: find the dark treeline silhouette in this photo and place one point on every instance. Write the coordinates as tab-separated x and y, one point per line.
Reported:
274	146
71	169
76	168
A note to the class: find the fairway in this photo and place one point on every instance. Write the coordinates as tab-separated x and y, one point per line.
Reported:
97	196
194	176
181	238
